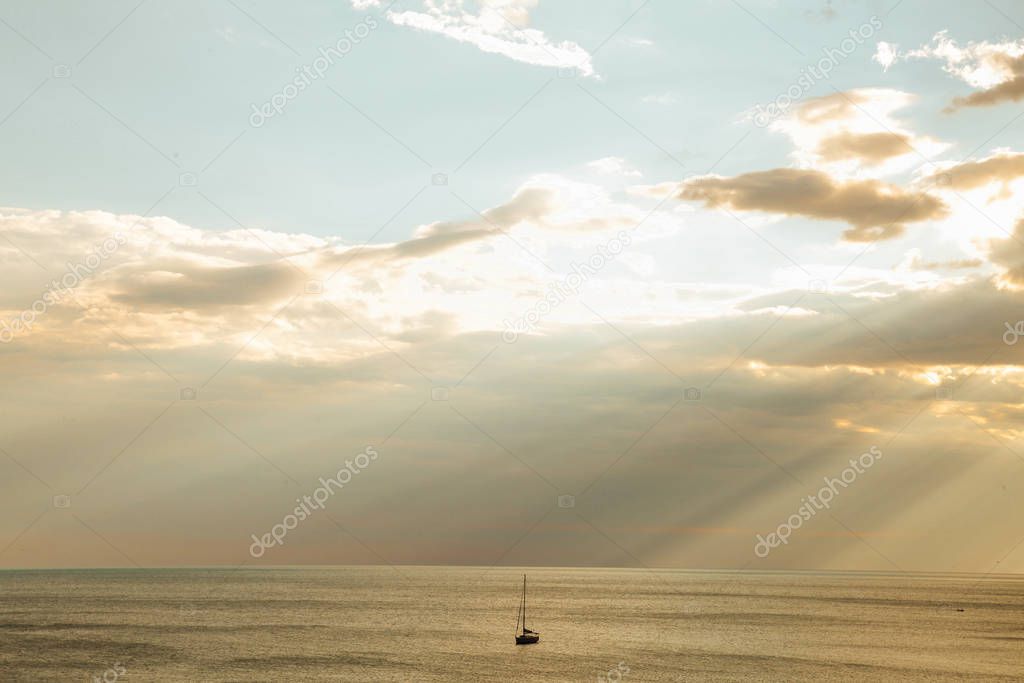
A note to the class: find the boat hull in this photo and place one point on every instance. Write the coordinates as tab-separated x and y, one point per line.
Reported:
527	639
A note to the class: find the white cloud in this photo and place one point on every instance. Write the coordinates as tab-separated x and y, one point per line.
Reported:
496	26
614	166
996	70
981	65
886	54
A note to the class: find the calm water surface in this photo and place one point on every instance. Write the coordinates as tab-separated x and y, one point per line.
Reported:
457	624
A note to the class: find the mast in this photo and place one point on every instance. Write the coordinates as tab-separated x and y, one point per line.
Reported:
524	603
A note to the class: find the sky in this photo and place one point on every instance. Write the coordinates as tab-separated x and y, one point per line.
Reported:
512	282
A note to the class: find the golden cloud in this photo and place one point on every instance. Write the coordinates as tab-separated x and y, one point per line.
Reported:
874	209
1008	254
873	148
1001	167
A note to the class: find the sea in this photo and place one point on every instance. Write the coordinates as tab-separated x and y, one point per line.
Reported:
458	624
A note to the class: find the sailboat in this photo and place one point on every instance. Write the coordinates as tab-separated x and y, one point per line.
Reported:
526	636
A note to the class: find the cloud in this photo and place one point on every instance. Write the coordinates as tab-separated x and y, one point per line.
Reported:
568	405
616	166
915	262
873	148
1008	254
856	134
168	285
497	27
546	204
874	209
810	388
996	69
909	330
428	244
1003	166
886	54
193	287
532	202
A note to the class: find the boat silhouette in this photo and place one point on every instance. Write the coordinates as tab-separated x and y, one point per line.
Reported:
525	636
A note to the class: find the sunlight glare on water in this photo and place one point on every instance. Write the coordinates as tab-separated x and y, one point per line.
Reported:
458	624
